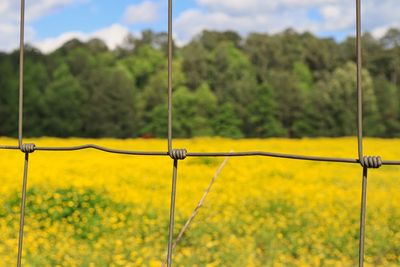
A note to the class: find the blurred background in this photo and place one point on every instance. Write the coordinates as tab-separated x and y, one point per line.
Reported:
241	69
278	75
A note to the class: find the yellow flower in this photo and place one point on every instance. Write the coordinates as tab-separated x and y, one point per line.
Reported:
90	208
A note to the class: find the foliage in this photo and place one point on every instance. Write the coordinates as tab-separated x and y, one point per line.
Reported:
336	97
287	84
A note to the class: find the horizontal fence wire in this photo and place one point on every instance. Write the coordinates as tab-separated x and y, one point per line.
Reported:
202	154
365	162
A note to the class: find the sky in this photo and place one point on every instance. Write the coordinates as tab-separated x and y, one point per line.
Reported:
49	23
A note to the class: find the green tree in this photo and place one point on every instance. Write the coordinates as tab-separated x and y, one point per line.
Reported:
388	98
303	124
264	114
226	123
80	62
206	108
285	84
290	99
110	111
211	39
8	97
391	40
144	62
36	79
64	105
193	112
320	54
336	104
157	122
154	95
258	49
233	81
195	64
184	111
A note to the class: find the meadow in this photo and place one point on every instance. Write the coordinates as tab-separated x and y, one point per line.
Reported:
89	208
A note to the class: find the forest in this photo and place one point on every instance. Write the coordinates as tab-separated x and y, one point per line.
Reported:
287	84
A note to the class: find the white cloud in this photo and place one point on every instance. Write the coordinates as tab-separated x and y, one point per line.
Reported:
3	6
330	12
192	22
35	9
9	36
272	16
146	11
112	36
380	31
243	16
258	6
10	9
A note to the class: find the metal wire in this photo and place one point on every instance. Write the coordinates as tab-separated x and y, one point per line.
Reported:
359	81
22	212
172	214
362	217
180	154
170	48
204	154
20	144
21	73
364	161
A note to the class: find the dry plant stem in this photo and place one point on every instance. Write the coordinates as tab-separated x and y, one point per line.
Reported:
199	205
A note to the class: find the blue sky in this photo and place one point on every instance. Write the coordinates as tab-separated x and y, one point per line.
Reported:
52	22
93	15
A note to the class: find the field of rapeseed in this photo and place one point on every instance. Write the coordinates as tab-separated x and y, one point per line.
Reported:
88	208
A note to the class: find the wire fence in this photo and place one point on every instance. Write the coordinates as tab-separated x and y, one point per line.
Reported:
176	155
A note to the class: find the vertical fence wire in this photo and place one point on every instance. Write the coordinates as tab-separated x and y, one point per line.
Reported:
179	154
362	217
360	134
170	55
21	72
359	81
20	134
170	148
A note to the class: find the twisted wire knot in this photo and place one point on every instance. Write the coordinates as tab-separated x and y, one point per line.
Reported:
178	153
371	162
28	148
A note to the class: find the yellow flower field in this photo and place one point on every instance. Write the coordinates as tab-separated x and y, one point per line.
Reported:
89	208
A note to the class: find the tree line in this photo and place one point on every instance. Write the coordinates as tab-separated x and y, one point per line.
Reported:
282	85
